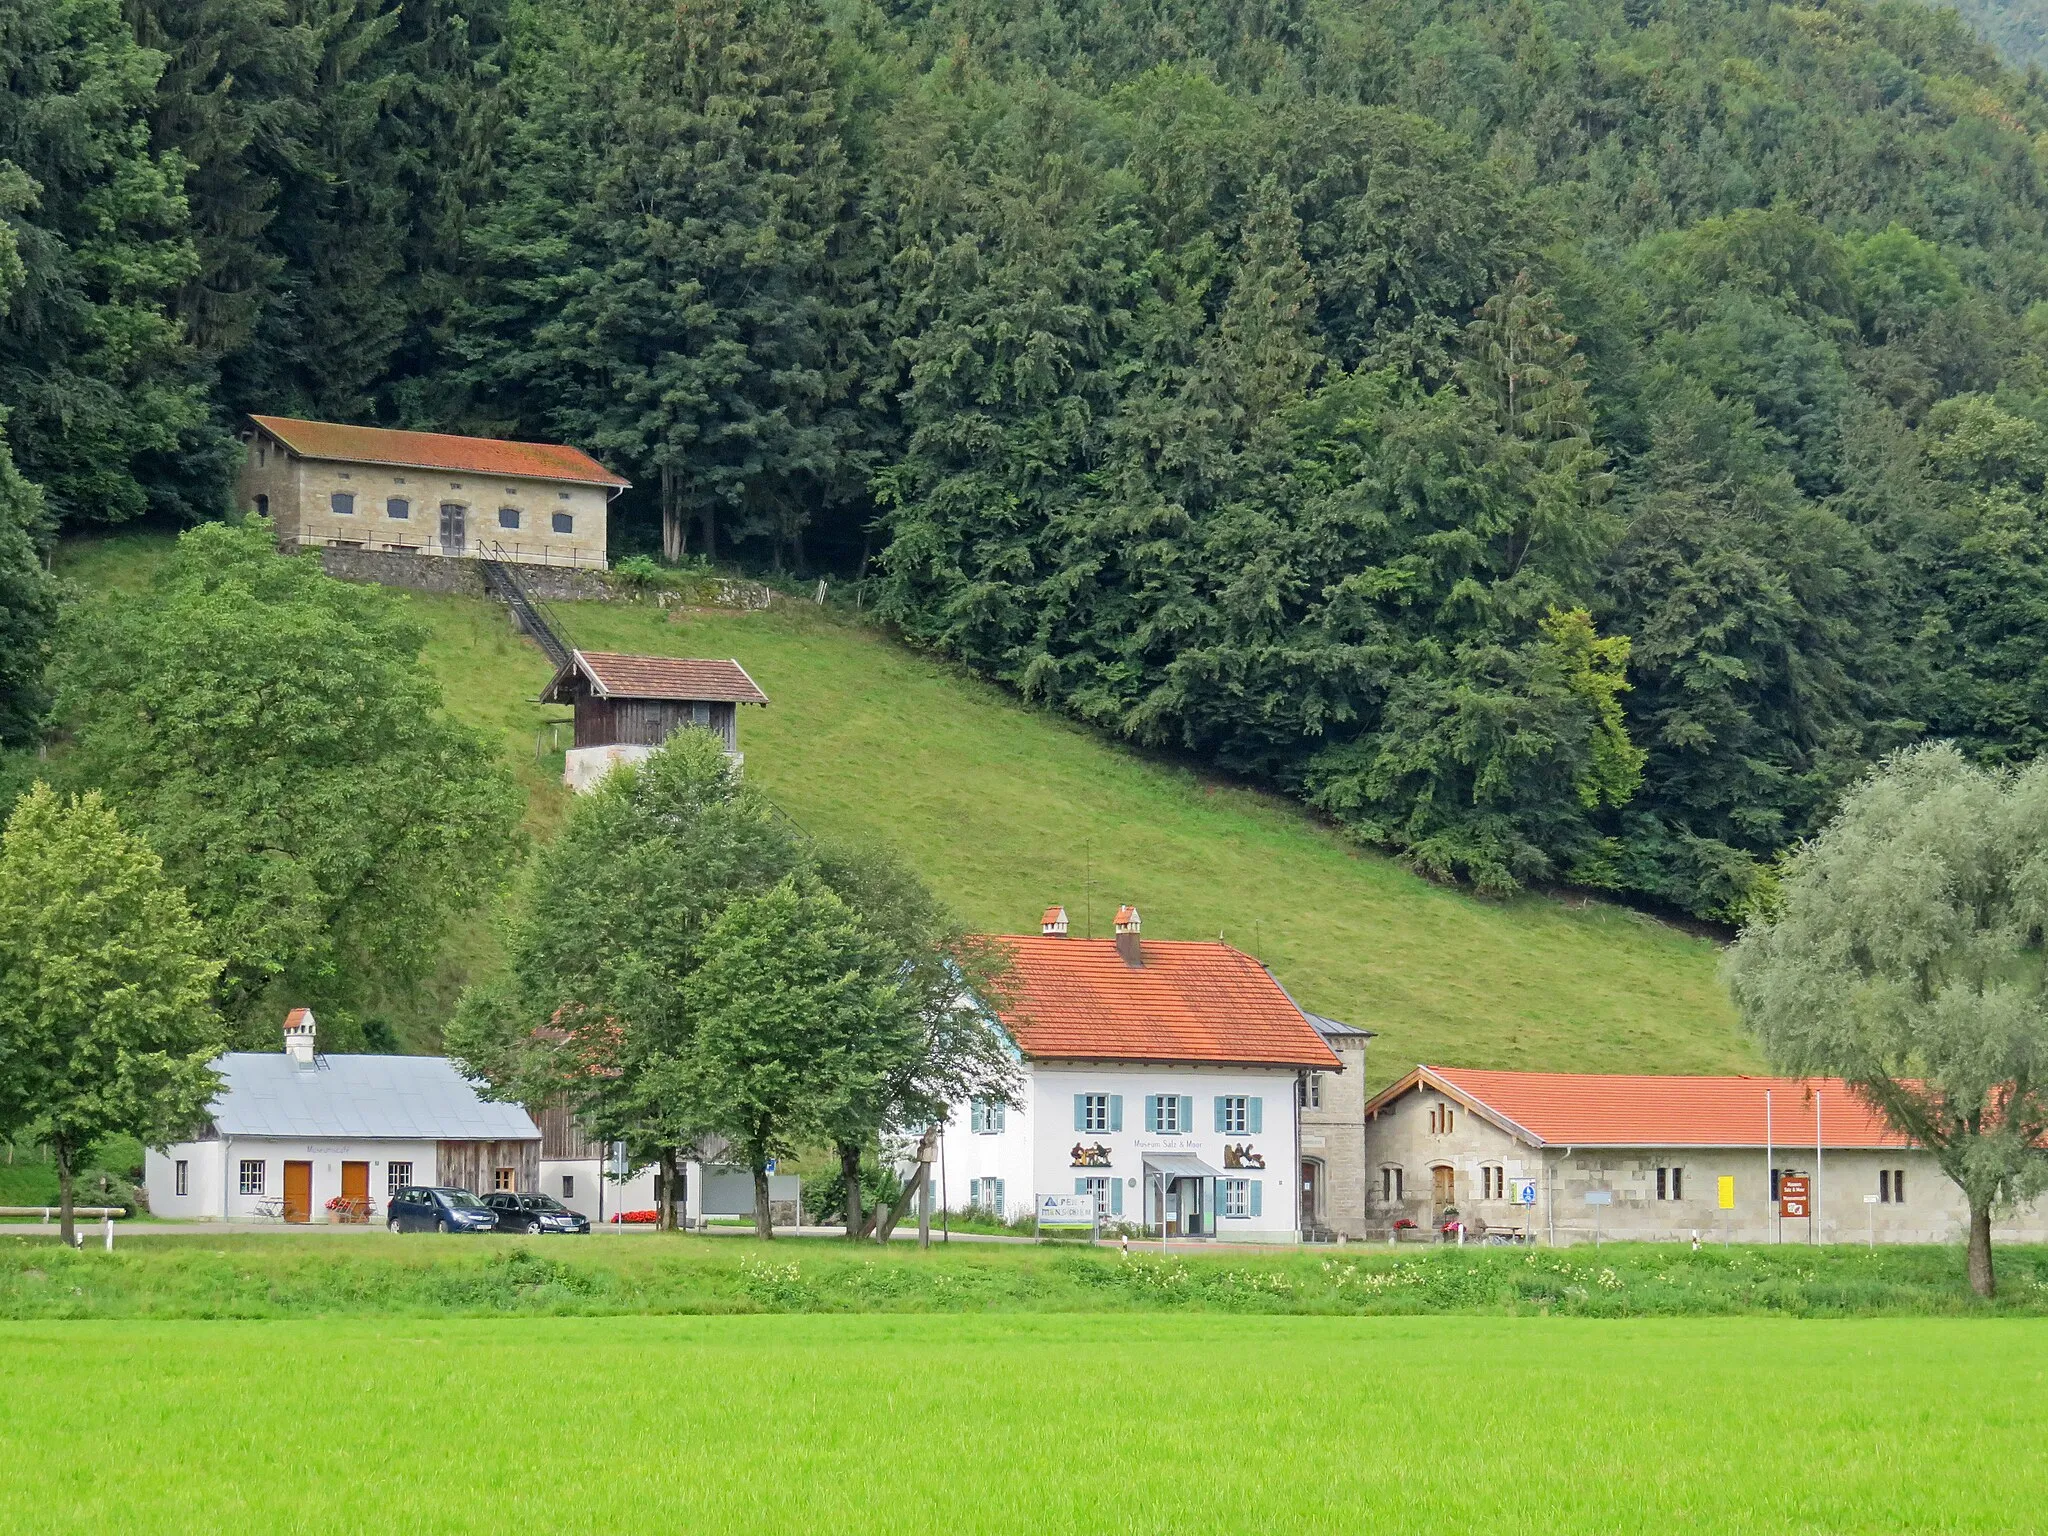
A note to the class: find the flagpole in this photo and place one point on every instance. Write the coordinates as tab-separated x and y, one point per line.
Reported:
1770	1173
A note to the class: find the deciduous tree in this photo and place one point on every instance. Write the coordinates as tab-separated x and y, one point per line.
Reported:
107	1024
1908	954
276	736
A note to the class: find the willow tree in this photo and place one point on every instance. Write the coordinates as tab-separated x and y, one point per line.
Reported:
1907	953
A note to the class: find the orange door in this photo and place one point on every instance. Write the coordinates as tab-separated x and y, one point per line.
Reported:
355	1187
298	1191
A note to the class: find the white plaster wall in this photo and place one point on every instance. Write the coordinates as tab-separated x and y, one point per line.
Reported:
222	1161
636	1194
1033	1154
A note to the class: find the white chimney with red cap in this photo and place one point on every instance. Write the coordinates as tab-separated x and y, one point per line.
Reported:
298	1036
1127	936
1054	924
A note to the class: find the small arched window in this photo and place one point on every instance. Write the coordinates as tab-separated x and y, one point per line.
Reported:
398	508
343	503
263	506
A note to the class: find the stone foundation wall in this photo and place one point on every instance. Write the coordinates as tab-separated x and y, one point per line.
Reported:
418	573
462	577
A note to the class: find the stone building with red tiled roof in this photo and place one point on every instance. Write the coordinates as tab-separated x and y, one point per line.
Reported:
1163	1079
330	485
1559	1157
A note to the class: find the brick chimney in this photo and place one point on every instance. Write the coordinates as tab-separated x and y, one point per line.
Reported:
298	1036
1127	936
1054	924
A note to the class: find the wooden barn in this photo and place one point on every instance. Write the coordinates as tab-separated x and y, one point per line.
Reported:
627	706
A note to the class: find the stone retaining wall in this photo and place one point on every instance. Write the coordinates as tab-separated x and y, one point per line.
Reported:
464	578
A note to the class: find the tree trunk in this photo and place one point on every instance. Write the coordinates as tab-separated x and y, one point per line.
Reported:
849	1169
67	1230
667	1222
1982	1281
673	535
764	1225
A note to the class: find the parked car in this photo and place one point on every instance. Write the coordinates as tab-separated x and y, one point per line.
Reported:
432	1209
534	1213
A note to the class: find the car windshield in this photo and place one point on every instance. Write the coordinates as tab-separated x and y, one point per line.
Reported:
542	1203
462	1200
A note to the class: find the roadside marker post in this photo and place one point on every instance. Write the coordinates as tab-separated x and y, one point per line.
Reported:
1870	1211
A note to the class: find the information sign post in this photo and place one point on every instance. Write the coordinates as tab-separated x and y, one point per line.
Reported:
1795	1198
1597	1198
1727	1192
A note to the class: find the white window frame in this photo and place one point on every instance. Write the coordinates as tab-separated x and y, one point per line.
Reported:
1391	1181
252	1175
987	1194
984	1119
1099	1188
397	1176
1311	1094
1493	1181
1168	1113
1236	1114
1095	1114
183	1176
1235	1198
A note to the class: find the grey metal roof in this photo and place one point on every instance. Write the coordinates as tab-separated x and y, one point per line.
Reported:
413	1098
1325	1026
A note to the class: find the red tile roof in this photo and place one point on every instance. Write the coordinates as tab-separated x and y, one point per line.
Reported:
1625	1110
1076	999
437	450
658	677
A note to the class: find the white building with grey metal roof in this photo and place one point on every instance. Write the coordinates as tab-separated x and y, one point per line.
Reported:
300	1136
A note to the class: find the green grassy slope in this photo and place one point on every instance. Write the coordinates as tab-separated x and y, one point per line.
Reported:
1006	809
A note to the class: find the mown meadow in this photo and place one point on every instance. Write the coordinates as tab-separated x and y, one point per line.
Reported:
968	1424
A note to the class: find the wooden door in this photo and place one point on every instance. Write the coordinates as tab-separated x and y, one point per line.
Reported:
1311	1191
298	1191
355	1188
454	527
1443	1187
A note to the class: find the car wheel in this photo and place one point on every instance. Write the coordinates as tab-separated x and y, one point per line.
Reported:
392	1224
441	1224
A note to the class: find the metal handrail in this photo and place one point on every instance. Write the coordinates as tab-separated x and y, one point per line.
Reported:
427	544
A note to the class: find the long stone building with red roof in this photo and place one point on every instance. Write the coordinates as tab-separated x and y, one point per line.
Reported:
328	485
1559	1157
1164	1079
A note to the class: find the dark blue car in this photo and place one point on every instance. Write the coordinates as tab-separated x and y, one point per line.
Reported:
534	1213
429	1209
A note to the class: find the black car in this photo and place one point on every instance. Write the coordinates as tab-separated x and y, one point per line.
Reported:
427	1209
534	1213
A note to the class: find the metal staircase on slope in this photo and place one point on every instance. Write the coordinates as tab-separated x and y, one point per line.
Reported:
528	611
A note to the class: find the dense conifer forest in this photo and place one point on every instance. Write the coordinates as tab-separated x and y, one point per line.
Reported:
1563	442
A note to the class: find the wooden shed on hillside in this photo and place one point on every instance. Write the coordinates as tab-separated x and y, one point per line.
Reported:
640	701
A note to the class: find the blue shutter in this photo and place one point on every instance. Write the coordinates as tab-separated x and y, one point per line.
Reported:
1254	1186
1080	1111
1187	1115
1254	1115
1116	1111
1080	1186
1116	1197
1221	1124
1152	1113
1001	1209
999	1117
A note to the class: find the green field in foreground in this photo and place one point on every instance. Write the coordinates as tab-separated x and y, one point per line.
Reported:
315	1273
1052	1424
1005	808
